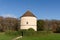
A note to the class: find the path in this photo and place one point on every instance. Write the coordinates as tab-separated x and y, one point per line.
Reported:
17	38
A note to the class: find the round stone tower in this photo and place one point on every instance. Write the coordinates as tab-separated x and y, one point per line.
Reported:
28	20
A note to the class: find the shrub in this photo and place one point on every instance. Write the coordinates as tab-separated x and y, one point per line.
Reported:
13	33
30	29
57	30
23	32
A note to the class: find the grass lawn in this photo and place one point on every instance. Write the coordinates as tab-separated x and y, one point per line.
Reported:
42	37
5	37
52	36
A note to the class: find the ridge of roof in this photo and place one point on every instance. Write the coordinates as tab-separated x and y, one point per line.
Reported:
28	13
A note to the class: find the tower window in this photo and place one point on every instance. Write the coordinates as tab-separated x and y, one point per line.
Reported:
26	22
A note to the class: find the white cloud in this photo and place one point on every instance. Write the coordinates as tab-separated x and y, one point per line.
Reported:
8	15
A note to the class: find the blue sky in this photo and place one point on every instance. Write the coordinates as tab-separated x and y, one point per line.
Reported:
43	9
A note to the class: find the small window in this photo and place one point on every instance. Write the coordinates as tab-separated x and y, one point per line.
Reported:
27	23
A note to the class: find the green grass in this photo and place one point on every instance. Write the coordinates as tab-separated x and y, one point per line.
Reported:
5	37
42	37
39	36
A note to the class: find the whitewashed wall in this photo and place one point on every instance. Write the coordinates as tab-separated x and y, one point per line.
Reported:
32	23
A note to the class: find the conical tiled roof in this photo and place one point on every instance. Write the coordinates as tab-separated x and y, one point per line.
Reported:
28	13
